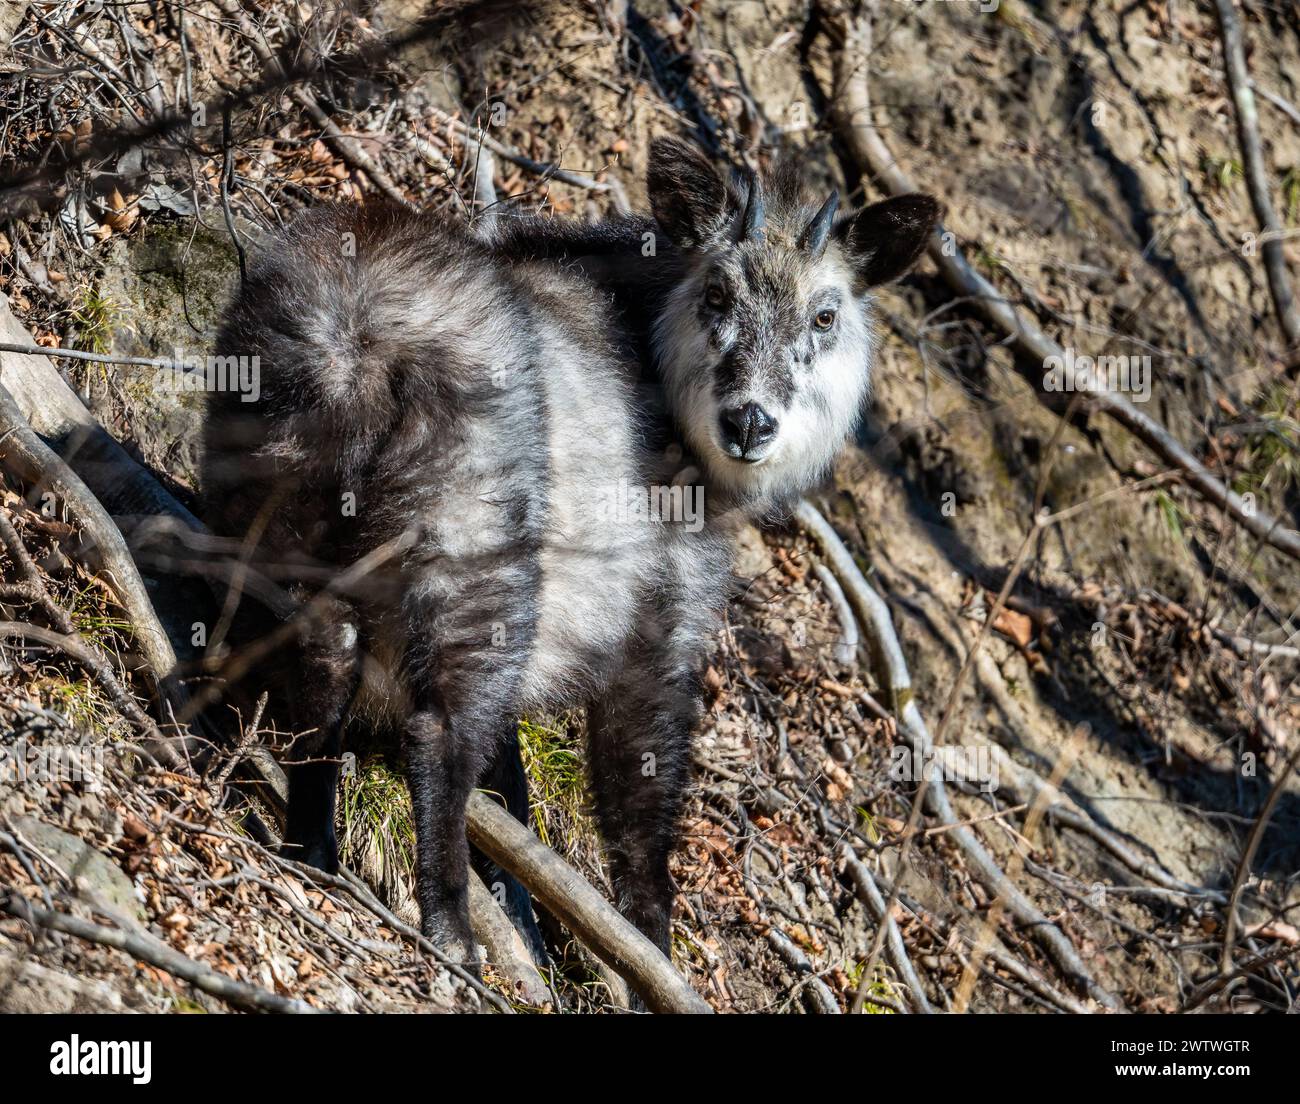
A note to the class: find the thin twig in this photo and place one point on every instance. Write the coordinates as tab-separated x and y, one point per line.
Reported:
543	169
1248	857
869	894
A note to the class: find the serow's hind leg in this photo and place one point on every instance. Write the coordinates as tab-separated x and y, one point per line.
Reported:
441	769
505	776
454	730
640	735
469	638
321	688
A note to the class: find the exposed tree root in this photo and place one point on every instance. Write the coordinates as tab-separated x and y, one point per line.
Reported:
869	894
1252	156
27	455
894	677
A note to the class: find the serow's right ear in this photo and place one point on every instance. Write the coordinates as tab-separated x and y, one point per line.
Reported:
884	240
687	196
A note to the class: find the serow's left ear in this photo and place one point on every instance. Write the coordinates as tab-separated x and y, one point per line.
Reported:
884	240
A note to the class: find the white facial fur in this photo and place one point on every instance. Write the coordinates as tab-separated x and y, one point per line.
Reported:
829	393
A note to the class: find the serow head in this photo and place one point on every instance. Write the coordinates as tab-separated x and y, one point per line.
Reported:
766	342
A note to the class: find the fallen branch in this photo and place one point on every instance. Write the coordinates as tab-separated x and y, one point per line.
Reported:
28	349
349	149
1252	157
852	112
1016	864
1025	787
505	948
148	949
573	901
1022	785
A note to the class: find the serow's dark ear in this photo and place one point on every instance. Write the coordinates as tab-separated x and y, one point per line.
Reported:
884	240
686	195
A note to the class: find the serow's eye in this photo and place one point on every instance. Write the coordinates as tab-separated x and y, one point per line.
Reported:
715	297
825	319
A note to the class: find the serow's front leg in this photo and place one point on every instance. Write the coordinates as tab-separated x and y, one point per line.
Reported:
640	740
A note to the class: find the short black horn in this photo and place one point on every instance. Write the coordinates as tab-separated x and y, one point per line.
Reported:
755	217
818	230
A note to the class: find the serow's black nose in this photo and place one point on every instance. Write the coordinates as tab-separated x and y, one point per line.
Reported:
746	429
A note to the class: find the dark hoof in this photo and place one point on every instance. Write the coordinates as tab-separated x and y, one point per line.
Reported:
321	854
452	936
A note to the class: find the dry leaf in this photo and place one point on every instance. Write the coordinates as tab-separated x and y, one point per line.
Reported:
121	214
1015	626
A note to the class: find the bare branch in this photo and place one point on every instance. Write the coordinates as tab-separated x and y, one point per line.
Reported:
1248	857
